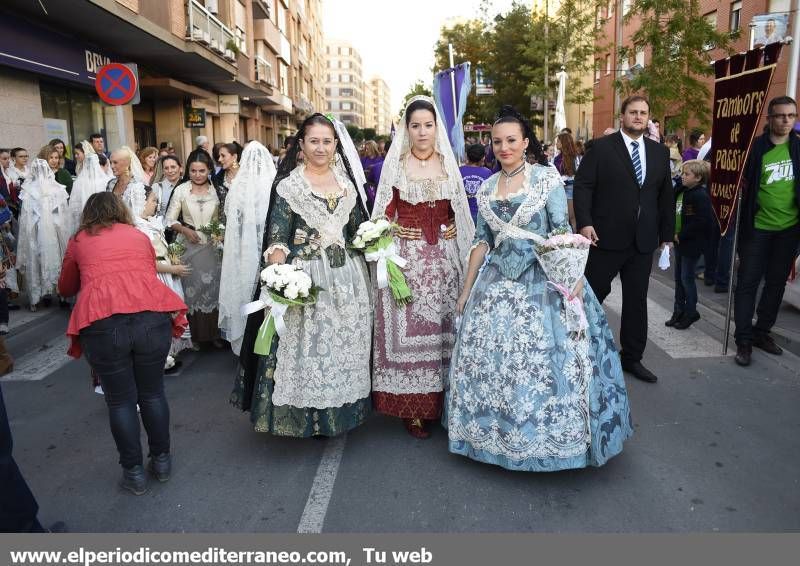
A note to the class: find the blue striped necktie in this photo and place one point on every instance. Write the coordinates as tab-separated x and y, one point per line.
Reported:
637	162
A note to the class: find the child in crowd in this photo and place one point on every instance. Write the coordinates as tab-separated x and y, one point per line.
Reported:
693	224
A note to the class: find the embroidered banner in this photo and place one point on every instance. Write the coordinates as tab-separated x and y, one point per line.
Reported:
740	94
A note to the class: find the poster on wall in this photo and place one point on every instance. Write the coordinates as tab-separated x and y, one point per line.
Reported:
769	28
55	128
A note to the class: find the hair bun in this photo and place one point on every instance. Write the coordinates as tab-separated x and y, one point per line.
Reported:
508	110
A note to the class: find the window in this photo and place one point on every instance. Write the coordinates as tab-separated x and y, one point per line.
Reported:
626	6
779	5
282	19
608	64
711	19
241	27
346	92
640	56
597	71
347	106
345	78
736	15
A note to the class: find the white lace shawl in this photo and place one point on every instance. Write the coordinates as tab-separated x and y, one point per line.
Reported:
43	229
246	207
297	191
393	175
90	180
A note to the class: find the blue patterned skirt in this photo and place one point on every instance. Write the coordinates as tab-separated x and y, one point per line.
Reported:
524	393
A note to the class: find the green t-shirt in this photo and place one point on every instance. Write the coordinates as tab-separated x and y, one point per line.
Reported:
678	210
777	207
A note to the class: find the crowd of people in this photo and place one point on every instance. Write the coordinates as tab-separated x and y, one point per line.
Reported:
519	366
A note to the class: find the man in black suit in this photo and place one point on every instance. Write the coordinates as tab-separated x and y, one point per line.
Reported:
623	199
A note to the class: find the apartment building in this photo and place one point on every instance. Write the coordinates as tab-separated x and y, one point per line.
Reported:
725	15
344	86
378	107
247	65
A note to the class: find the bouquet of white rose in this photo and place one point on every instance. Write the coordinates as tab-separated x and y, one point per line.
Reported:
563	256
283	286
375	240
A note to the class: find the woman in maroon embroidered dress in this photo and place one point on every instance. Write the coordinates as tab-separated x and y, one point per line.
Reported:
422	191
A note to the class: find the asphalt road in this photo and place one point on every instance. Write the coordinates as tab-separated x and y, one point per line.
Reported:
716	448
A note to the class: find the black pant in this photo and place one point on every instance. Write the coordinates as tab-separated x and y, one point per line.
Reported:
128	351
18	507
633	268
764	255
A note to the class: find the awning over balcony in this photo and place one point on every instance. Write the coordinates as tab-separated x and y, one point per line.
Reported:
108	24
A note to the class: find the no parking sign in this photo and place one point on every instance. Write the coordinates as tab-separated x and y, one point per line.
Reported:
118	84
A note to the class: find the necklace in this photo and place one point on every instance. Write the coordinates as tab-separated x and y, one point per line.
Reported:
514	173
422	162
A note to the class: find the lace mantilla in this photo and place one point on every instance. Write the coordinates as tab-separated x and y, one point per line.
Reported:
297	191
449	187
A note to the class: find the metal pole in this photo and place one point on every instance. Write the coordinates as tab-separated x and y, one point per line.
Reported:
546	113
794	60
121	124
453	82
618	68
731	278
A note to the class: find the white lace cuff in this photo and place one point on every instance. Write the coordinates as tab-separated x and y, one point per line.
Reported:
283	247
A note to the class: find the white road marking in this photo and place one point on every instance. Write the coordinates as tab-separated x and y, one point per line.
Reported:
689	343
321	490
40	363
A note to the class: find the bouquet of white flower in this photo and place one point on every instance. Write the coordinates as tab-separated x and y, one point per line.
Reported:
563	257
175	252
375	240
283	286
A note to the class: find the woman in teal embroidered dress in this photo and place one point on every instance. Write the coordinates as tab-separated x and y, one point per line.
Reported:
524	393
316	379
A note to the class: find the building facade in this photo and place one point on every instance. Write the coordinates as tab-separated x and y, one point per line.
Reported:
246	65
725	15
378	107
344	86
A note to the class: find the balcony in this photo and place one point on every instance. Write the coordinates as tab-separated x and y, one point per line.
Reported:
279	104
204	27
302	56
285	51
266	31
260	10
302	106
264	71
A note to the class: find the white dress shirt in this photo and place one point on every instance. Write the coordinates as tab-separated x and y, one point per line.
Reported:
642	151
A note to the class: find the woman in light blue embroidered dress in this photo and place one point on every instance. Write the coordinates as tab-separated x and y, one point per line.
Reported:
524	393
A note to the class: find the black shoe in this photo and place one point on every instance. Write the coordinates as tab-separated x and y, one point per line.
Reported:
639	371
687	320
62	304
161	467
134	480
720	289
47	301
676	316
743	354
766	343
174	369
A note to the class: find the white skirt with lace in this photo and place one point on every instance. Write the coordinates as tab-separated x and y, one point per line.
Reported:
323	357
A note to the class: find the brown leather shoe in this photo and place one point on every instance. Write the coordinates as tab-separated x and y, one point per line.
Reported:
767	343
743	354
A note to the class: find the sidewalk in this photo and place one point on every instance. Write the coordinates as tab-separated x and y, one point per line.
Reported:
786	330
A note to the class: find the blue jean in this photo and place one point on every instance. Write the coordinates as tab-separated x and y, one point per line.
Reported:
766	255
128	351
685	285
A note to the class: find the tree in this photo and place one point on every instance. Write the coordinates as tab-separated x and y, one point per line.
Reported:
469	41
369	133
355	133
679	39
575	36
417	89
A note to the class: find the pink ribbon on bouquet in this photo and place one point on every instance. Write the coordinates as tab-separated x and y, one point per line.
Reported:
575	303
